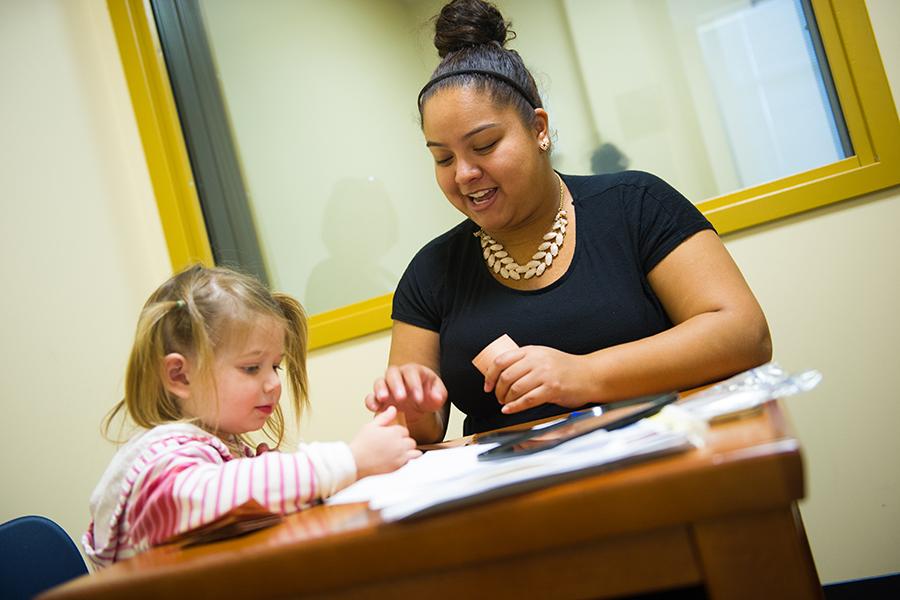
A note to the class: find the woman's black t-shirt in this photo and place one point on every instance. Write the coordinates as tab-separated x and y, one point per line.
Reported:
626	223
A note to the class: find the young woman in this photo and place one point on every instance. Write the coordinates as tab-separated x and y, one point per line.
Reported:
613	286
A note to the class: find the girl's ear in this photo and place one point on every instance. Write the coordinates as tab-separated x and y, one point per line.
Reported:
176	375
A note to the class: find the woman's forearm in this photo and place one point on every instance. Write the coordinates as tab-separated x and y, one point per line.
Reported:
414	360
705	348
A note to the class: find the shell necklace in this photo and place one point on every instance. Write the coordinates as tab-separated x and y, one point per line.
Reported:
501	262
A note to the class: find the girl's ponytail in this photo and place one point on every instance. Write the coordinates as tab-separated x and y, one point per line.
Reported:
295	347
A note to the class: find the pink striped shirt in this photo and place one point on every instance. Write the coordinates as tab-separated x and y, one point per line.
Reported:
177	477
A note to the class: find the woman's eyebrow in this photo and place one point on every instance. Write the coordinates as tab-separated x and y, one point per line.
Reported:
466	136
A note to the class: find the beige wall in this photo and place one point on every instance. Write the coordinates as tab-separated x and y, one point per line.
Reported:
82	248
81	244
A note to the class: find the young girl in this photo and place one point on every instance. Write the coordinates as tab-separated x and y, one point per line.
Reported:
202	373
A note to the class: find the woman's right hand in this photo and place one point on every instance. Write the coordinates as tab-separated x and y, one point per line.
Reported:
414	389
381	447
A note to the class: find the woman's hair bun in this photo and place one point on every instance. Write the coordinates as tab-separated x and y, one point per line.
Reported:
463	23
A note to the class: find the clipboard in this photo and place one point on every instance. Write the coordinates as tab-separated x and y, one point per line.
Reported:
609	417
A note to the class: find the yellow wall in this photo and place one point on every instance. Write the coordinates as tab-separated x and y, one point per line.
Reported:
82	248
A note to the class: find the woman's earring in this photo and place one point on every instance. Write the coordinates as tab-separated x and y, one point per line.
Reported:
544	145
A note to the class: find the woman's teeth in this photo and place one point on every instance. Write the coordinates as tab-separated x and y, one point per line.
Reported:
479	196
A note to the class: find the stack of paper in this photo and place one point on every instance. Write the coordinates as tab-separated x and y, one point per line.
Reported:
453	477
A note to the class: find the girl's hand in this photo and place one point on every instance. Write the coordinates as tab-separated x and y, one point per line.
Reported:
380	447
414	389
534	375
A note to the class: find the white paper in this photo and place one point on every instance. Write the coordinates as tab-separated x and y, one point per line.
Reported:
441	479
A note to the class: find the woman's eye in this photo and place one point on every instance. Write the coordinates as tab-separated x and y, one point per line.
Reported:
486	147
251	370
443	161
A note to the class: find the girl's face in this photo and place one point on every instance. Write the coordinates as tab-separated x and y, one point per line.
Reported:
487	160
245	372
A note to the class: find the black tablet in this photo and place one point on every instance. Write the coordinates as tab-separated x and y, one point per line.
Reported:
608	417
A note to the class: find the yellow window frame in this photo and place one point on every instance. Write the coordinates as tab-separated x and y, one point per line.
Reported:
161	135
853	58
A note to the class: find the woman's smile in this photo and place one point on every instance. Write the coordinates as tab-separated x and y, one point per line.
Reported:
482	199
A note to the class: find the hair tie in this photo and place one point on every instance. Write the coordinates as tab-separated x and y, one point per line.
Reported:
510	82
179	304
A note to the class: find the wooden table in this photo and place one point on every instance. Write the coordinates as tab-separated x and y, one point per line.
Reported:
724	516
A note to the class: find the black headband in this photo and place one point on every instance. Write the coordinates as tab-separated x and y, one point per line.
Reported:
511	83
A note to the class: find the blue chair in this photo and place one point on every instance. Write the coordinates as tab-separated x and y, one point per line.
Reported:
35	555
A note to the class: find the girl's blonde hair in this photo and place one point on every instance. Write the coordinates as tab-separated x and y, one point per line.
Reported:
192	314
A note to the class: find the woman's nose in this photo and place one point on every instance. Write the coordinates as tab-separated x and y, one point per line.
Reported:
466	172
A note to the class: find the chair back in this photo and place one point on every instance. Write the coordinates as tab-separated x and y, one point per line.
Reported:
35	555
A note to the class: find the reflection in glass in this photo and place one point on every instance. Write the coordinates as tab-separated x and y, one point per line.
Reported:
355	209
321	95
608	159
711	95
769	92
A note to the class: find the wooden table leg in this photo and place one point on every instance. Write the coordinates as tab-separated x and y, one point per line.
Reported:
757	555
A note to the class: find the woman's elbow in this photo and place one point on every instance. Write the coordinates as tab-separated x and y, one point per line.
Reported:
758	341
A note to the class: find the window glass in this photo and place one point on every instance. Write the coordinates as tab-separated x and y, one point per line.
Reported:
711	95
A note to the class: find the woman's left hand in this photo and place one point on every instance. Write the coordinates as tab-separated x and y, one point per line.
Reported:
534	375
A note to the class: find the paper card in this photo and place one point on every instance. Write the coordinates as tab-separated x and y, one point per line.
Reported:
241	519
502	344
